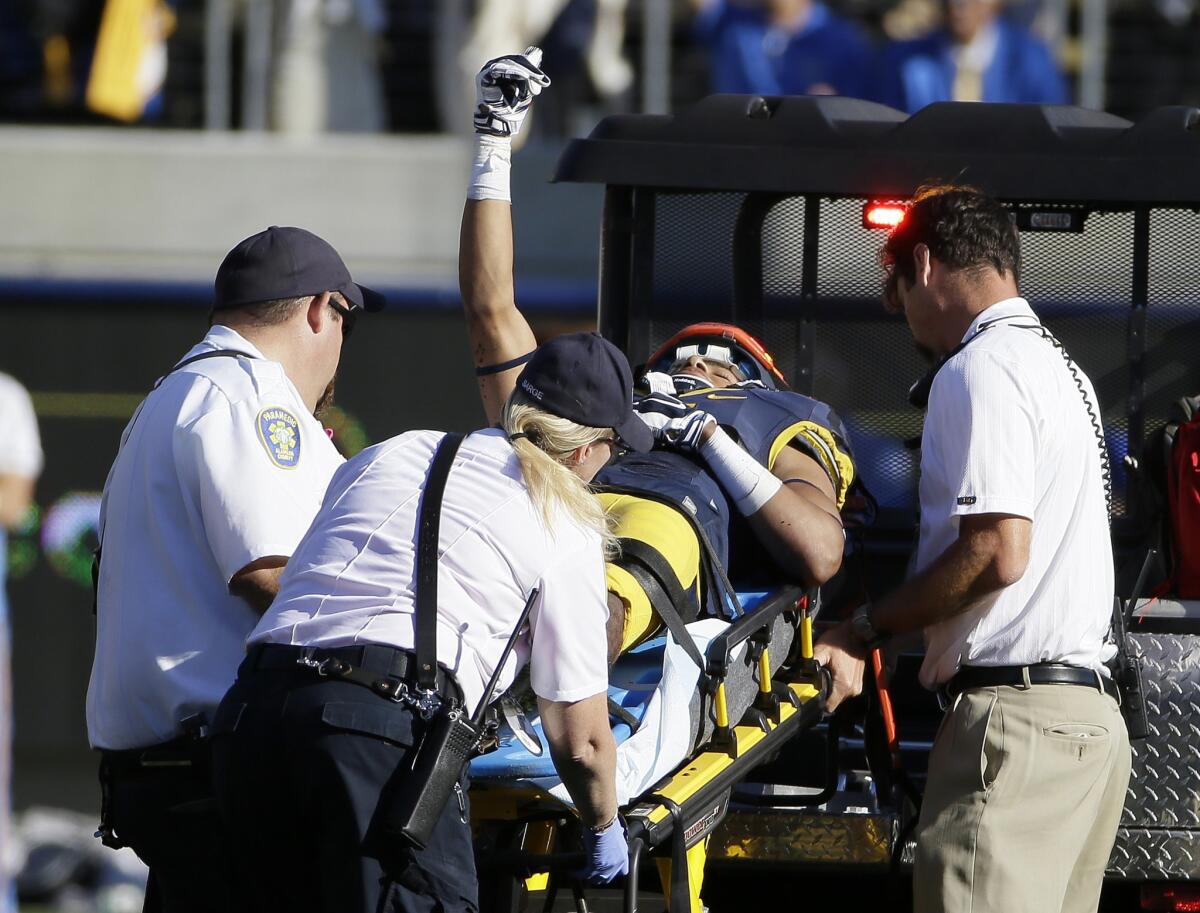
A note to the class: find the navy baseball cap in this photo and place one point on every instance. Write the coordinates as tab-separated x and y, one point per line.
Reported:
585	378
286	263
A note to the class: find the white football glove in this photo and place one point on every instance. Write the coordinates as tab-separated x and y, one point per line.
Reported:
657	408
657	382
674	424
683	433
504	89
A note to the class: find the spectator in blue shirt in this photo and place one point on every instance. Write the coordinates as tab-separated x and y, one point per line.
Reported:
977	55
781	47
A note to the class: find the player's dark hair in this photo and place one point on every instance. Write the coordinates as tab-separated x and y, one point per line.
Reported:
963	227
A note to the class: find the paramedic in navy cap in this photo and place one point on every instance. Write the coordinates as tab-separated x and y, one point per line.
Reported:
219	473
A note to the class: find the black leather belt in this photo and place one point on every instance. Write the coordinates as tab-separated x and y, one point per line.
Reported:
375	666
969	677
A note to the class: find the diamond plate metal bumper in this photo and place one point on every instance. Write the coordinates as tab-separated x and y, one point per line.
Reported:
1159	836
805	838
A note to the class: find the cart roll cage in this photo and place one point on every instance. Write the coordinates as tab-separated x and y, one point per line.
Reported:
843	146
751	210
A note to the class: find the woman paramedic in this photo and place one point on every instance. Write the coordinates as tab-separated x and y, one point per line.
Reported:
302	758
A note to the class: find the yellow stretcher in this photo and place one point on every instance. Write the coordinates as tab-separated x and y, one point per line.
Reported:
520	829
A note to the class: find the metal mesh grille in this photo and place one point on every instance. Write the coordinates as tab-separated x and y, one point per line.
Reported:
1173	313
1081	285
783	286
783	246
864	369
862	359
693	261
848	254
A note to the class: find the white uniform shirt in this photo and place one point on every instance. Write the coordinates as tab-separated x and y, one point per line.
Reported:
1007	432
351	579
20	446
220	466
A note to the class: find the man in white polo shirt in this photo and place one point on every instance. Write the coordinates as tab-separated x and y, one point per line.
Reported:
1013	583
218	476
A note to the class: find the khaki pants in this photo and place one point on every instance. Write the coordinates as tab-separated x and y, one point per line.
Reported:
1025	791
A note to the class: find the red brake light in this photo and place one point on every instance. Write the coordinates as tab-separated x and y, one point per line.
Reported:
1171	896
882	215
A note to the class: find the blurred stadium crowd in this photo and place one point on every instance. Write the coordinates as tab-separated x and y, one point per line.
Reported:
309	66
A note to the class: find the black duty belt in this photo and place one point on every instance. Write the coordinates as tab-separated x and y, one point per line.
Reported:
969	677
177	753
388	671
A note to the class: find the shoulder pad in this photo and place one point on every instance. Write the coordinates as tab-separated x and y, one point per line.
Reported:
805	408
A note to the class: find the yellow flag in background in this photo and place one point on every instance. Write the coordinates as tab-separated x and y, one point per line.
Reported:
968	83
130	62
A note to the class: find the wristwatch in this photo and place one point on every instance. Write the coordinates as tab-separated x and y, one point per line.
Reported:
863	630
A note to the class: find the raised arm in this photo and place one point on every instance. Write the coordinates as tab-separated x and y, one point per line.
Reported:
498	334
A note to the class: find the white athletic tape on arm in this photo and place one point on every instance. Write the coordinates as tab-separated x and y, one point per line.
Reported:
749	482
490	170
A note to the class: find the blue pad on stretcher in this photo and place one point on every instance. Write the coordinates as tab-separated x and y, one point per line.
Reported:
632	681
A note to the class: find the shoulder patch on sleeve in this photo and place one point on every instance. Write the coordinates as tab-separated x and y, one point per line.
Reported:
279	432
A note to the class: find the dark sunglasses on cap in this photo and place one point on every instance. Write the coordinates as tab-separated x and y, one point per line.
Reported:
616	448
349	316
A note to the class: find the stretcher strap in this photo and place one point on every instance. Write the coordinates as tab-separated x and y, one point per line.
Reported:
684	603
681	888
714	572
650	583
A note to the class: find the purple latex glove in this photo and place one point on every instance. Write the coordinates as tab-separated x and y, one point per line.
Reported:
607	854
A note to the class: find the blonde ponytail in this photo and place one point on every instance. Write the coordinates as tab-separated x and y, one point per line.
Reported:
545	443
